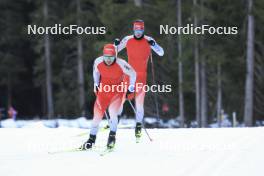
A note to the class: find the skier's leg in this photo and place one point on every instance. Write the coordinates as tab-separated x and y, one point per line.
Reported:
98	115
99	109
139	99
121	106
113	112
120	110
126	82
140	96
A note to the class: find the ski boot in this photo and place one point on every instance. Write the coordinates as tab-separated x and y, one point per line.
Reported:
111	140
89	143
138	133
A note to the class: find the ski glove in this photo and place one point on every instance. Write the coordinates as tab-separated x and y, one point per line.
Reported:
152	42
130	95
117	41
130	92
96	90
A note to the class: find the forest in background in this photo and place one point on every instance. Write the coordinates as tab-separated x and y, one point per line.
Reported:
50	76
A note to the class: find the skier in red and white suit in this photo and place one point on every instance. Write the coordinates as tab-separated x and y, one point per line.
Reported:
138	48
108	74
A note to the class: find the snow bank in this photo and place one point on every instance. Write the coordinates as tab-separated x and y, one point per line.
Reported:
82	122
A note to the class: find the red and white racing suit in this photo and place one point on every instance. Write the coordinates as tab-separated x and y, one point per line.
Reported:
105	77
138	52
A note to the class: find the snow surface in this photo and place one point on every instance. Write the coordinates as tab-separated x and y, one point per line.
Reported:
186	152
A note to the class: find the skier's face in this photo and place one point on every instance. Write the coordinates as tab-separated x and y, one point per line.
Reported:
138	33
109	59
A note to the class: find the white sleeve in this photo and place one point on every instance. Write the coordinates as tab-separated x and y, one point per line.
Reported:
128	70
157	48
123	43
96	73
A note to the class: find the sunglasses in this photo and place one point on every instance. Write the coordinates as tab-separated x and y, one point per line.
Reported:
138	31
109	59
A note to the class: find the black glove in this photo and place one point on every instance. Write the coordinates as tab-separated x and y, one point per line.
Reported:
151	42
117	41
96	89
128	93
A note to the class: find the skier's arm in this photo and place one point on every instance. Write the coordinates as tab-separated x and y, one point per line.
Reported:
96	77
158	49
128	70
155	46
96	73
123	43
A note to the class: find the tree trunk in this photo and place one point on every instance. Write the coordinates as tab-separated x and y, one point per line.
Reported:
180	74
203	93
80	64
219	93
48	65
249	86
9	89
203	80
197	69
44	99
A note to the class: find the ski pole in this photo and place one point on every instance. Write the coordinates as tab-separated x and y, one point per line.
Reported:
106	115
154	82
142	123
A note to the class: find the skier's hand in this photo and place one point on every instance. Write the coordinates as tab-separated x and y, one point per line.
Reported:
96	90
130	93
117	41
152	42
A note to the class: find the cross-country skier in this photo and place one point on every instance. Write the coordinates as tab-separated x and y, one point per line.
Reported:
138	48
109	72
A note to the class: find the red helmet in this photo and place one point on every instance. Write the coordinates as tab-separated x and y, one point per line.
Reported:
138	25
109	50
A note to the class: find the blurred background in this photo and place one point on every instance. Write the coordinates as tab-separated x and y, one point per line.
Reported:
213	77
